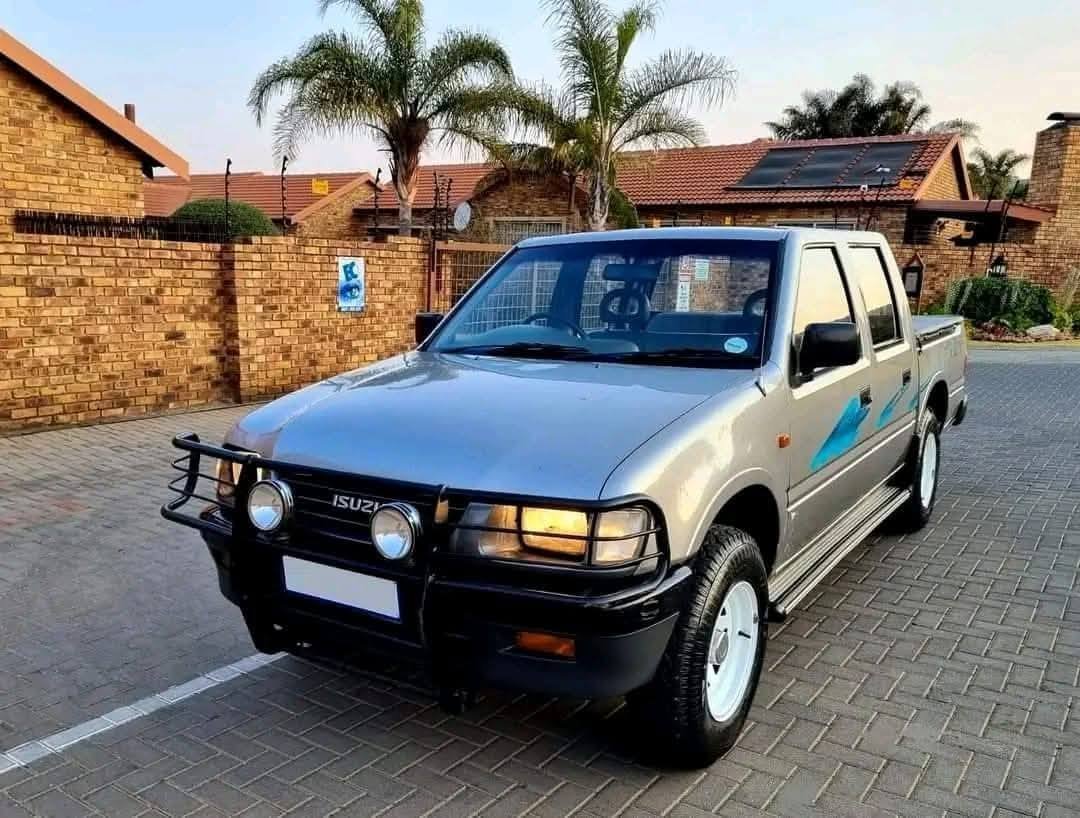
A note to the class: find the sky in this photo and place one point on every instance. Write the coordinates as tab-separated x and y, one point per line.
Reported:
188	66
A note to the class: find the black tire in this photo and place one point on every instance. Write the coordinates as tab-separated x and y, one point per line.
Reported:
674	704
916	512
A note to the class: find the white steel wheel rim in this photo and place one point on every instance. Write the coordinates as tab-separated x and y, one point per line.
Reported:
732	651
928	478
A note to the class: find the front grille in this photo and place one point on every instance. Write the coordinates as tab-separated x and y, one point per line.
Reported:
345	532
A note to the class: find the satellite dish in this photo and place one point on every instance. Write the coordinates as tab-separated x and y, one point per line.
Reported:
462	216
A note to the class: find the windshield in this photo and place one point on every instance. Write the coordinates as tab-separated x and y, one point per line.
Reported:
692	302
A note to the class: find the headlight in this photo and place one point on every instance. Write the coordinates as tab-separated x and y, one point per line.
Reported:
269	504
530	532
395	528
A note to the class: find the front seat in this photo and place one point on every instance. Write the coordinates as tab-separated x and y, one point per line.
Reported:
626	309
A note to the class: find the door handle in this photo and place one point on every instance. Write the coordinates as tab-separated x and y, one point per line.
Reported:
905	377
864	397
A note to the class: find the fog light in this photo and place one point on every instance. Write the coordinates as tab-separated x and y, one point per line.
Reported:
269	504
395	528
534	642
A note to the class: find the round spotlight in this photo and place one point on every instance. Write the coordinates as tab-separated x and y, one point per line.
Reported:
269	504
395	529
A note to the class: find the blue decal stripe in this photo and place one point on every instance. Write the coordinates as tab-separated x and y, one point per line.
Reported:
843	436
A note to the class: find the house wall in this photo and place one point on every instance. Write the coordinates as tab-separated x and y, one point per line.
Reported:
94	329
335	218
1045	255
886	219
53	158
523	195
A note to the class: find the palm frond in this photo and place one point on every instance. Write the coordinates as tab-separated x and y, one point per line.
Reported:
586	45
637	19
661	127
461	57
678	78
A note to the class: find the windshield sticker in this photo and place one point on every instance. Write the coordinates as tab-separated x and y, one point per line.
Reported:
736	345
701	269
682	297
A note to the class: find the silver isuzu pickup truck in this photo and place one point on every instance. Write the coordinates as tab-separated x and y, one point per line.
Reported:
602	473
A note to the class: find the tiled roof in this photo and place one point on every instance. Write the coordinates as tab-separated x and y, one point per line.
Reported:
704	176
259	189
163	199
464	180
92	106
701	176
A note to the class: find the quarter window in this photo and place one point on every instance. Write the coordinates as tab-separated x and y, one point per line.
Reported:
870	273
823	298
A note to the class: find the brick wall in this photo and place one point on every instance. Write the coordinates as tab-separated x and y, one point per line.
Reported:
53	158
290	331
94	329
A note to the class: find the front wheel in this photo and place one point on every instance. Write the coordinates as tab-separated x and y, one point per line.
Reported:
698	701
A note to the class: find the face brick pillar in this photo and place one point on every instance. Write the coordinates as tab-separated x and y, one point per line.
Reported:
1055	174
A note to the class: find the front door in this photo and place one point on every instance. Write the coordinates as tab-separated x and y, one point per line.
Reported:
830	408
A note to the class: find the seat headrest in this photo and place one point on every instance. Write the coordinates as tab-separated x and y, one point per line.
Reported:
631	272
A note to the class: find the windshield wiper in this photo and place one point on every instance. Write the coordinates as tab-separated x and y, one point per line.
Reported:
523	349
676	356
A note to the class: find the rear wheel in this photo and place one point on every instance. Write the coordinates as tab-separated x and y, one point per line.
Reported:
698	701
923	475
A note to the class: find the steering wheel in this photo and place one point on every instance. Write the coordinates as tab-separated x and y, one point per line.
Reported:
755	304
554	320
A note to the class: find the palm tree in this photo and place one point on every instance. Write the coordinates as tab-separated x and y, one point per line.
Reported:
604	107
857	110
385	81
993	177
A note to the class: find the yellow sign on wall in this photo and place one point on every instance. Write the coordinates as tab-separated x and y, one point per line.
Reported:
320	187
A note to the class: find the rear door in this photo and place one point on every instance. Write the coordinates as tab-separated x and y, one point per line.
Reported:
829	409
893	380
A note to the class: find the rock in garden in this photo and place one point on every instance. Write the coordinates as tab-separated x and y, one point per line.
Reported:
1044	332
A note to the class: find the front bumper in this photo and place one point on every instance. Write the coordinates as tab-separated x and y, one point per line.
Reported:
458	619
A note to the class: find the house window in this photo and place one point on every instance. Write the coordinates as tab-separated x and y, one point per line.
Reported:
512	230
821	224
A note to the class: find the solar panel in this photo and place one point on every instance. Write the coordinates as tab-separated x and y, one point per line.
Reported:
825	166
774	168
891	155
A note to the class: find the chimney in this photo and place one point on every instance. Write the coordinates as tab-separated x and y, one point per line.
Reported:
129	111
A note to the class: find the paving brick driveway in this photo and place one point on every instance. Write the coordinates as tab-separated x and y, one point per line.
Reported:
929	675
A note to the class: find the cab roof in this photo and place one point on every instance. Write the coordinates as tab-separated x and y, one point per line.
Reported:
768	234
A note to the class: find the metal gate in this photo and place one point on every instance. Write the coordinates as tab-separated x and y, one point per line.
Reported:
454	267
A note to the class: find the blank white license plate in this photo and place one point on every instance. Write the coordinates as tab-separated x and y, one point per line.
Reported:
360	591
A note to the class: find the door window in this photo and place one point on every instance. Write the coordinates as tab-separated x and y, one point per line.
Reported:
823	296
870	273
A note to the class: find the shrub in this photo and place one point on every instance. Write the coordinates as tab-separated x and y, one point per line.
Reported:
622	212
244	219
1019	304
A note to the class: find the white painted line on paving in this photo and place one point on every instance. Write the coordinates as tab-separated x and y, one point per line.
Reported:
31	751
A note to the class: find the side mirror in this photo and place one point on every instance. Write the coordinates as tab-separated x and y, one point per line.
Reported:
425	324
825	345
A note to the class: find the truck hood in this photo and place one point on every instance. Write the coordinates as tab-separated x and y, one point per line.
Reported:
543	428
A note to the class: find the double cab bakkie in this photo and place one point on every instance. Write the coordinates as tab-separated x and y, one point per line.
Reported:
602	473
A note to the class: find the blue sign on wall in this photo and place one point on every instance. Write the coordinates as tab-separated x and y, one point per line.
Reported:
350	284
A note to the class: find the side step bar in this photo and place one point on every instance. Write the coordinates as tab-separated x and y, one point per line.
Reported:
793	595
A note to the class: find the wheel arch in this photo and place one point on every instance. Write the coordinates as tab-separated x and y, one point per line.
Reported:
937	400
739	503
